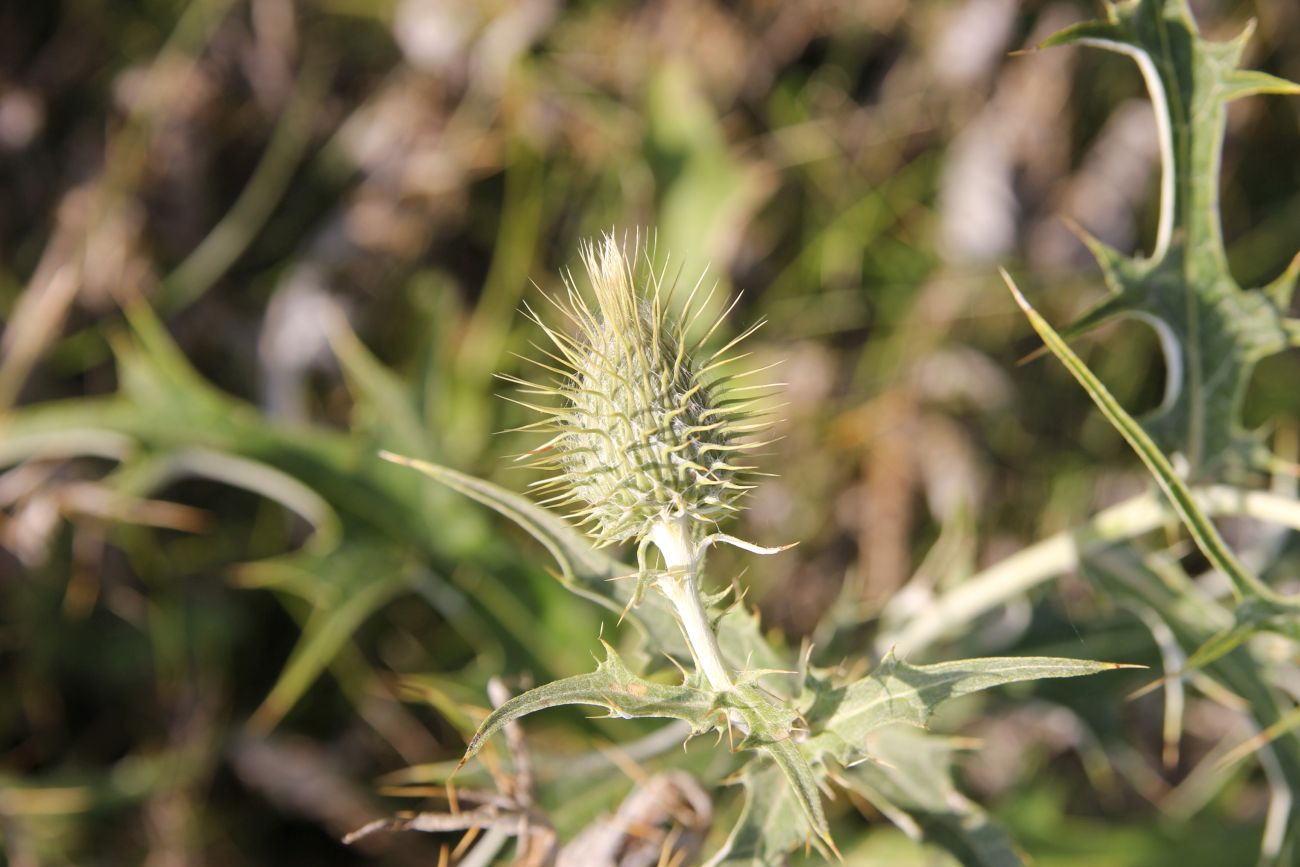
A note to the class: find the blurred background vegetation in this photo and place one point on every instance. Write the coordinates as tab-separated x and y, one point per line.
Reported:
244	244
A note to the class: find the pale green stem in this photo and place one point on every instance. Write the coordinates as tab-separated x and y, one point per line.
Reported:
680	585
1061	552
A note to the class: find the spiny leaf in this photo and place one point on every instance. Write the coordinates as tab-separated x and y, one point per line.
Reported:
802	783
583	570
1202	530
766	720
770	727
1212	331
743	645
770	824
613	687
898	692
910	775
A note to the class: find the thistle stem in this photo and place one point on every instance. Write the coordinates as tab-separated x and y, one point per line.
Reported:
681	587
685	600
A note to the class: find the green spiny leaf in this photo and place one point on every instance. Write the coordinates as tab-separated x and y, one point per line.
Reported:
898	692
586	571
766	721
1212	331
802	783
771	727
911	773
770	824
743	645
611	686
1202	530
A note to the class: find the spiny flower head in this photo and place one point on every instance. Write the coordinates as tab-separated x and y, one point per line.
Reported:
648	428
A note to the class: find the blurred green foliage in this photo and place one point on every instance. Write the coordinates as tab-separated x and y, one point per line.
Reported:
246	244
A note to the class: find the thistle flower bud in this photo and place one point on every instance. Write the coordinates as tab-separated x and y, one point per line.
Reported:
648	429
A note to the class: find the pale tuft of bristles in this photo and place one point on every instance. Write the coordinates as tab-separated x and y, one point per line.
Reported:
647	429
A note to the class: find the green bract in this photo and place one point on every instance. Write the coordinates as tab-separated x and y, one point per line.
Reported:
647	431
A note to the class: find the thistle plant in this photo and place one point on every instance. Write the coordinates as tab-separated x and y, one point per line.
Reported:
647	431
647	428
1213	333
